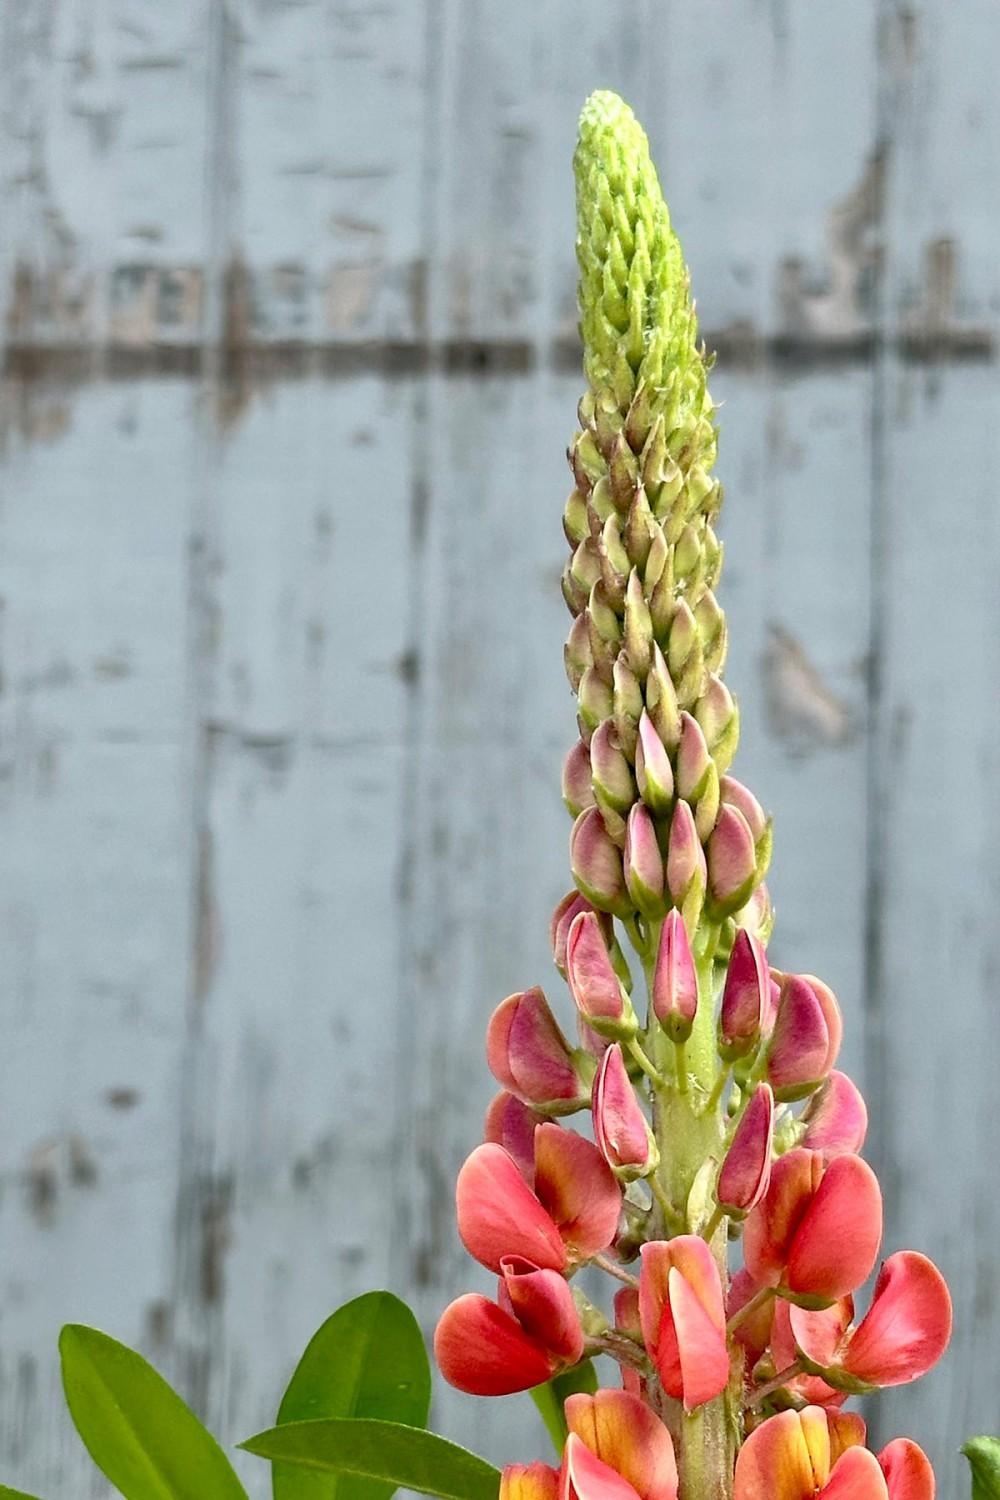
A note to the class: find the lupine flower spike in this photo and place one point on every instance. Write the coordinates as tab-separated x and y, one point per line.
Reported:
717	1110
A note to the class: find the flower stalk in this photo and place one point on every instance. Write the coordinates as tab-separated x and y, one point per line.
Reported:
717	1110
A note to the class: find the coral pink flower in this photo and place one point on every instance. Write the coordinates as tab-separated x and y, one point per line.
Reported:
683	1318
617	1449
531	1333
816	1232
753	1332
529	1055
811	1389
789	1457
835	1118
570	1216
569	907
512	1125
621	1131
904	1332
746	1170
907	1470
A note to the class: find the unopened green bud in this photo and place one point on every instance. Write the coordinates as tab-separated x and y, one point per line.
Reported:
627	699
577	655
575	522
638	628
612	775
719	718
661	701
594	699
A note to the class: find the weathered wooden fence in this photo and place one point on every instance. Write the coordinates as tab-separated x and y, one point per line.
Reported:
289	366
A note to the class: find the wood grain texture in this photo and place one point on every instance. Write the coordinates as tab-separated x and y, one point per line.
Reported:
286	318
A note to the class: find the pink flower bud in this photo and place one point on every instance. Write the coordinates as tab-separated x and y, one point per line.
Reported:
802	1049
617	1449
732	861
675	981
904	1332
622	1134
577	791
686	868
752	1333
835	1118
745	997
643	862
511	1124
683	1318
529	1335
816	1231
719	718
746	1170
595	986
653	771
735	794
596	863
693	760
610	770
529	1055
562	919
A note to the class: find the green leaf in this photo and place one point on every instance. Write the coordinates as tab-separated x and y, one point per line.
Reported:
388	1451
549	1398
137	1430
983	1454
367	1360
9	1494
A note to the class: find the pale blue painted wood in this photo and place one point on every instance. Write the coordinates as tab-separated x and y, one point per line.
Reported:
283	707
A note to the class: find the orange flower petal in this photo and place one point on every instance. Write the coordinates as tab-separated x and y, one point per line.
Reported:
629	1437
907	1327
529	1482
483	1350
578	1190
586	1477
907	1470
774	1462
835	1245
856	1476
701	1345
499	1215
847	1430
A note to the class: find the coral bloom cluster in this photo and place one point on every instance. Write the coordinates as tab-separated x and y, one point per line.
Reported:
715	1124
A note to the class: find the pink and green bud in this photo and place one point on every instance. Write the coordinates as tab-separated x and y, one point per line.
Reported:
627	701
835	1118
562	919
594	701
661	702
732	862
694	764
598	992
644	872
528	1054
653	771
734	794
638	628
719	718
621	1130
757	916
675	980
596	863
806	1037
746	1170
578	793
577	653
746	998
687	872
613	782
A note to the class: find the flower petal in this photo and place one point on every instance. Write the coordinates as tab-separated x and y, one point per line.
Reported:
836	1118
483	1350
529	1482
542	1303
856	1476
629	1437
907	1327
701	1346
577	1190
907	1470
499	1215
586	1477
836	1243
774	1462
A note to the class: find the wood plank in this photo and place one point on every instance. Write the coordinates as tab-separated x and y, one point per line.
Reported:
95	880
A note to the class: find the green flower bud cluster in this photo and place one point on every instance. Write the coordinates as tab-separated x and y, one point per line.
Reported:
647	647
